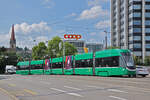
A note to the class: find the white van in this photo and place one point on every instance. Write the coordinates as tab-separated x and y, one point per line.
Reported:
10	69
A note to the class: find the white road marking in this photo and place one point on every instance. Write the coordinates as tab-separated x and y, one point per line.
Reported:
117	98
75	94
72	88
115	90
58	90
94	87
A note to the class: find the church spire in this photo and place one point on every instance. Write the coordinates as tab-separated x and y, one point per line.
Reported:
13	33
12	39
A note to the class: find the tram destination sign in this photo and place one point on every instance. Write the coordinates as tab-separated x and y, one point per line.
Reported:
72	36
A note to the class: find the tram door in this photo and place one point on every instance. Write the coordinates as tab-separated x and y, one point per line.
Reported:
68	65
47	67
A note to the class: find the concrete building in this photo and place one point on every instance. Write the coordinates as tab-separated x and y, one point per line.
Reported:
94	47
130	26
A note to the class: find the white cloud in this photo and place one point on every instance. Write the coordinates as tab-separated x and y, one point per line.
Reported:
93	13
42	39
48	3
71	15
25	28
4	39
96	2
103	24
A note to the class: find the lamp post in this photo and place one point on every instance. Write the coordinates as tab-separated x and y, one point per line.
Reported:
29	66
93	62
106	38
63	56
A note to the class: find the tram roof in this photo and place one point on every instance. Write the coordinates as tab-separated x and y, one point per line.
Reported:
110	52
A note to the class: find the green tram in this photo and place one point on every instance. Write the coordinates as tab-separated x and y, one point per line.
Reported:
111	62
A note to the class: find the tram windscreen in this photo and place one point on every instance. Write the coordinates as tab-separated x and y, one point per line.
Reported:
129	60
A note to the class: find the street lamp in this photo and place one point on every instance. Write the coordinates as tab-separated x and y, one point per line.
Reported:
106	38
63	52
63	55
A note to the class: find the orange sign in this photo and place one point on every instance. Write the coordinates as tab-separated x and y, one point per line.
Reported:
72	36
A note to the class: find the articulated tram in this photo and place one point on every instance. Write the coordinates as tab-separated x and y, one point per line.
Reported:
111	62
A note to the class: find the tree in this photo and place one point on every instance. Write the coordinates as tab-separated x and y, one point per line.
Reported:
7	58
70	49
2	50
55	48
137	60
39	51
147	60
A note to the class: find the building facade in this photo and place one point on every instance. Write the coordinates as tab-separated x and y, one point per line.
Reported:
92	47
81	44
130	26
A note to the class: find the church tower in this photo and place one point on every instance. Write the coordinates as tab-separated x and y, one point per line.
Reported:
12	39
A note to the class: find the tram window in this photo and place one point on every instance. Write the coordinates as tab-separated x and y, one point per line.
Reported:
37	66
57	65
83	63
107	62
23	67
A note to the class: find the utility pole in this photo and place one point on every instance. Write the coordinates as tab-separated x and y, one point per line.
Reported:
105	40
63	56
94	62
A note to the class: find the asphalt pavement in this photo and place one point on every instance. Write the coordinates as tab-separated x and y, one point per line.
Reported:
62	87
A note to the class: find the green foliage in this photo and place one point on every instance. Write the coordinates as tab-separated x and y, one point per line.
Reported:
54	49
70	49
7	58
137	60
147	60
39	51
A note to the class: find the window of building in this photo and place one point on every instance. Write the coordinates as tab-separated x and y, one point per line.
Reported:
137	14
147	0
137	38
148	46
147	38
137	30
137	45
147	14
136	6
147	30
137	22
147	6
147	22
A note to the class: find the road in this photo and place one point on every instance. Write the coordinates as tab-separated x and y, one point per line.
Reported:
60	87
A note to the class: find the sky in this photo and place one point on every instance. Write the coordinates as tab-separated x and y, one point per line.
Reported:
41	20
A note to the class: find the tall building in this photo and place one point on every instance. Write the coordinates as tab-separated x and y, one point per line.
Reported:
130	26
12	39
